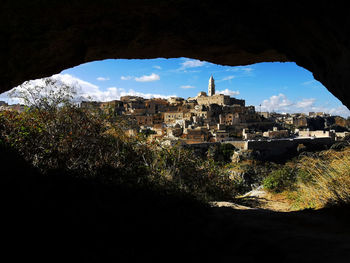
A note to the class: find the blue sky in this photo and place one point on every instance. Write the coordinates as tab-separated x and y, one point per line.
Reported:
281	87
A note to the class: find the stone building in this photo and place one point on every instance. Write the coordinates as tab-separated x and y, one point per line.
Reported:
3	103
248	135
212	98
221	135
149	120
90	105
144	120
317	114
220	99
198	112
173	132
156	105
275	133
115	106
230	119
266	115
300	121
131	98
199	134
171	117
317	134
176	100
132	102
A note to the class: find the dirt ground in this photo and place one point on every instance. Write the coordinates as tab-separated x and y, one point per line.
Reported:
279	233
260	199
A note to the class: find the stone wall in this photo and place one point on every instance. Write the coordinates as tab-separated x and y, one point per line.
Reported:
317	134
215	99
280	149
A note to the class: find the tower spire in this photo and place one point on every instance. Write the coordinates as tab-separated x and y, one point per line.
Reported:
211	86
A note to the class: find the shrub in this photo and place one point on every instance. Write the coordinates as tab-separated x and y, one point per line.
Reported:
181	168
227	151
55	134
72	139
221	153
280	180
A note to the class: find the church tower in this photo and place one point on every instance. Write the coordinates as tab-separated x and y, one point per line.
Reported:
211	86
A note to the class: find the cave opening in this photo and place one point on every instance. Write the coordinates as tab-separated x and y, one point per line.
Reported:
116	200
267	113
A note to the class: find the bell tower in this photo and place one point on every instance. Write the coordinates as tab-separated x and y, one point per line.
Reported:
211	86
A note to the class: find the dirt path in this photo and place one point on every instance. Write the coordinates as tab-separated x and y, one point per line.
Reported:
264	227
259	199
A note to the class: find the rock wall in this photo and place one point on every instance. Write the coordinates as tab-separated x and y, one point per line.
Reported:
40	38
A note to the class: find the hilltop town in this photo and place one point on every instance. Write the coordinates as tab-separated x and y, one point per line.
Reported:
210	118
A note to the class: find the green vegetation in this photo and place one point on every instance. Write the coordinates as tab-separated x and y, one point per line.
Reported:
314	180
280	180
222	153
55	134
147	132
311	180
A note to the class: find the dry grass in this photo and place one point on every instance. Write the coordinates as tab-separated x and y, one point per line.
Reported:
326	180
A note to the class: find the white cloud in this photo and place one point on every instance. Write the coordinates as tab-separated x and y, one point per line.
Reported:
144	78
341	111
305	103
313	84
102	78
126	77
10	100
79	84
86	90
114	93
157	67
226	78
191	63
309	82
280	103
276	103
148	78
187	87
247	70
228	92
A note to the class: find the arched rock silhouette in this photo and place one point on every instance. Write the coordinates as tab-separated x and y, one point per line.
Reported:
39	39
